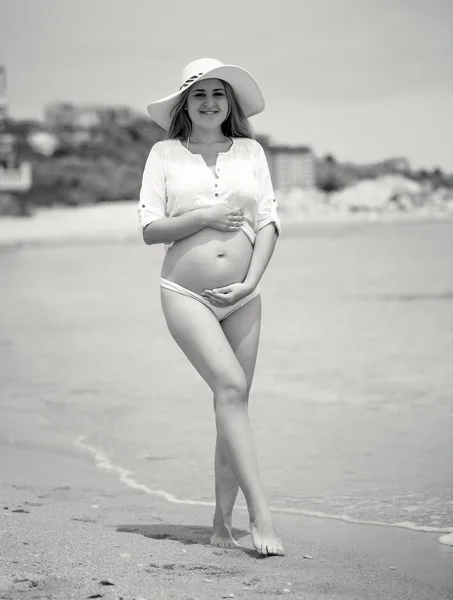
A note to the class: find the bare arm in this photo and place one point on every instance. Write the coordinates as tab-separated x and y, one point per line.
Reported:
266	239
171	229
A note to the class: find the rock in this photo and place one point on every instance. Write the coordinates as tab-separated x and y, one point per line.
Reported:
307	556
106	582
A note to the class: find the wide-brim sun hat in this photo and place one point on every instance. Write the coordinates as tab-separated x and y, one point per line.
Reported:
246	89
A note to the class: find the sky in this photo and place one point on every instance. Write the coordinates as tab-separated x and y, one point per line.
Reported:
364	80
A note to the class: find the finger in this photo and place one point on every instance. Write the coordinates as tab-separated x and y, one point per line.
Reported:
213	300
217	296
212	295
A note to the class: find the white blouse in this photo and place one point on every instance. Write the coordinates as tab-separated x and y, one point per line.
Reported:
176	181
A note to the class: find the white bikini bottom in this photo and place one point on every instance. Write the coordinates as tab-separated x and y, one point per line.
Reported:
221	312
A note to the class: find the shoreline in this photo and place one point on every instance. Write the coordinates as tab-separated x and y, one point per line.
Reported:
67	524
128	479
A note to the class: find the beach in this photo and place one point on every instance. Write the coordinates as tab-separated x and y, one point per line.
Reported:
107	434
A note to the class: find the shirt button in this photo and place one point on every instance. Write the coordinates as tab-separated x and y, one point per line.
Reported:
216	185
216	195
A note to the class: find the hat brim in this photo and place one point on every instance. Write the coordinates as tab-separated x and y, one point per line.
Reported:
245	87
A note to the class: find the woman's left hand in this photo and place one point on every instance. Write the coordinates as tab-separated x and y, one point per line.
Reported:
227	295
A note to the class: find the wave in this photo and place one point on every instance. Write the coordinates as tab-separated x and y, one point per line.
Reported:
125	476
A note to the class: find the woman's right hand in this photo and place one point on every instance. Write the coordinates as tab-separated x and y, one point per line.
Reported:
224	217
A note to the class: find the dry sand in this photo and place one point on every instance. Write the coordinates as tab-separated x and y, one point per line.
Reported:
118	221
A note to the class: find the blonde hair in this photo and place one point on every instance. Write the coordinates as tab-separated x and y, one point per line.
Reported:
236	123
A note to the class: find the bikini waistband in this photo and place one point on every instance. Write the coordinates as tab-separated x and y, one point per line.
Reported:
171	285
249	231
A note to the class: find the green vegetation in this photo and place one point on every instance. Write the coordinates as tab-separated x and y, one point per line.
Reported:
332	175
96	165
106	163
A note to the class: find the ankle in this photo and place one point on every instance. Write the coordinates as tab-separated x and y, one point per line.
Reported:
222	519
260	515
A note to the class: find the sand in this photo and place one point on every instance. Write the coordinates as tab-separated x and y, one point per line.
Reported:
72	530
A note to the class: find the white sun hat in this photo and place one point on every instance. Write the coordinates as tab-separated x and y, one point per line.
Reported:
244	85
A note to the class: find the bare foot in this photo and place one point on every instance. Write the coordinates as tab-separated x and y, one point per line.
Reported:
221	536
265	538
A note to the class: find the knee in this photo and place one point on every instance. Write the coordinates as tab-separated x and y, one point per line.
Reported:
231	390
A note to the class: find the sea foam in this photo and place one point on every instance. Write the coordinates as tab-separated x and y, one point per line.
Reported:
125	476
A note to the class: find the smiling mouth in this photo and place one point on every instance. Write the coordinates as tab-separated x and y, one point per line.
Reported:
209	112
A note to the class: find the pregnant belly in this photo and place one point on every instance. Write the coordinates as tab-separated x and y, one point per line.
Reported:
208	259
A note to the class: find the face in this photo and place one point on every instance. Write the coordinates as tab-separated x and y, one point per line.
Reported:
207	103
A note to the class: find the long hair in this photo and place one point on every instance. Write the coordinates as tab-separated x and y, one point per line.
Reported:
236	123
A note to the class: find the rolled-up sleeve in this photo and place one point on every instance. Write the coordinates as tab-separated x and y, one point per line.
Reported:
153	198
267	203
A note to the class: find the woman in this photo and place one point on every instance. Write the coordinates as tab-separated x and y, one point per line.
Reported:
207	195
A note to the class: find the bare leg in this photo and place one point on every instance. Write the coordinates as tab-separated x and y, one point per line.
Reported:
242	330
226	491
202	339
234	431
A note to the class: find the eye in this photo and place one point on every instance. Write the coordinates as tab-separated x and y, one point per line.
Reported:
219	93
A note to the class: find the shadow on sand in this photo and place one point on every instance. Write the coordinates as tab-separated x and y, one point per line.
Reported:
185	534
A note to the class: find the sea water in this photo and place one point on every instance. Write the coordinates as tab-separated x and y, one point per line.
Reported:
352	402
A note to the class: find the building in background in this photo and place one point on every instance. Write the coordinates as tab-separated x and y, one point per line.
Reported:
291	166
15	175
